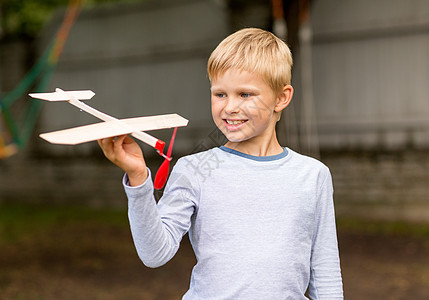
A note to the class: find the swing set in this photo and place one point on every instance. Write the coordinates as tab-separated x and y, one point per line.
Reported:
16	132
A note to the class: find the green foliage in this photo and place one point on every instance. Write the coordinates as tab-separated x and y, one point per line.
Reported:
25	18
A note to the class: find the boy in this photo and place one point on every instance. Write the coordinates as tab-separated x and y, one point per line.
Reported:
260	217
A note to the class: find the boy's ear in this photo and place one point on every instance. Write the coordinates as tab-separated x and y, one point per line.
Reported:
284	98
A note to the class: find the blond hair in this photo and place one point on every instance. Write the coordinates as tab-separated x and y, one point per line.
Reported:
253	50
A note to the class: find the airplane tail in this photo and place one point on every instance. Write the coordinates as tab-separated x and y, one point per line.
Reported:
60	95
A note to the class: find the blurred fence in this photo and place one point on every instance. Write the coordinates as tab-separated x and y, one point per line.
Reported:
370	97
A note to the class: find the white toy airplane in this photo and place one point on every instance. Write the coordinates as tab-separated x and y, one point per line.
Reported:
111	126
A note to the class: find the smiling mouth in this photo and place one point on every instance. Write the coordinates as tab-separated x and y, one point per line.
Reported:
234	122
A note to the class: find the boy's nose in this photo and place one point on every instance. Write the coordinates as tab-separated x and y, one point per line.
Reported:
232	106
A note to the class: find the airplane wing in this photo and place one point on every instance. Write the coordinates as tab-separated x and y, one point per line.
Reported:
88	133
64	95
156	122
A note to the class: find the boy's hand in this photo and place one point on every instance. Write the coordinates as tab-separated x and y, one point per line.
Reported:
124	152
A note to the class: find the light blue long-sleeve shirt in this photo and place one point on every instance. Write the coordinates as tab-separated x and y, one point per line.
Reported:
260	227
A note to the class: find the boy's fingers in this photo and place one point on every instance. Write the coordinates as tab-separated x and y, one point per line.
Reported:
107	146
128	140
118	142
105	141
120	138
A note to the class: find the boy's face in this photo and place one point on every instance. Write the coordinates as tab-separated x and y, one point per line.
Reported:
244	107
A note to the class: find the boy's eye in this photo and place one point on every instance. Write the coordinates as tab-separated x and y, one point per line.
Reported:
245	95
220	95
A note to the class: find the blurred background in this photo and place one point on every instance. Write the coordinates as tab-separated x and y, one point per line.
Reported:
361	105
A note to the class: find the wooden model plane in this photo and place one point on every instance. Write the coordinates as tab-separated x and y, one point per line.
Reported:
111	127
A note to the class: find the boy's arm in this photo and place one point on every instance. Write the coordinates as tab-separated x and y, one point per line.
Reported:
325	276
156	229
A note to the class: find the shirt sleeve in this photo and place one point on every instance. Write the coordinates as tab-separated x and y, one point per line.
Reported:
158	228
325	273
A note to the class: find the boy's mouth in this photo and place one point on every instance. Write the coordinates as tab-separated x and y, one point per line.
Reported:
233	124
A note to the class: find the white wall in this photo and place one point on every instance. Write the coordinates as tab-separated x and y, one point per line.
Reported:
139	59
370	69
371	73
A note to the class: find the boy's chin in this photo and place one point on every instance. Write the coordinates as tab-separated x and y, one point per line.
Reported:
236	139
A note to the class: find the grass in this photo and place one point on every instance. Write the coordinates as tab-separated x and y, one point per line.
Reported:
384	228
76	252
18	221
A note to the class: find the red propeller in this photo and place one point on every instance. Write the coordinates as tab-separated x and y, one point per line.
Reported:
162	173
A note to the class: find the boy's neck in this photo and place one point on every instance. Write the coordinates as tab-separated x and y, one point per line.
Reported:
254	148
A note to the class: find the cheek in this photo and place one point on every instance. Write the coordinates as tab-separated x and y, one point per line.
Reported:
212	105
258	112
216	107
216	112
